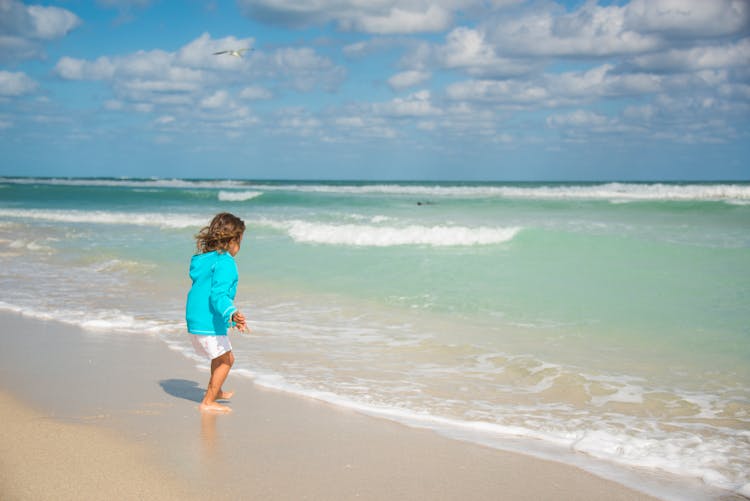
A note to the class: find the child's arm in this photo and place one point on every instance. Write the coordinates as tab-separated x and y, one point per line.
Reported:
224	279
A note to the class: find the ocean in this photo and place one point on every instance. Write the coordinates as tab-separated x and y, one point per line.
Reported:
603	324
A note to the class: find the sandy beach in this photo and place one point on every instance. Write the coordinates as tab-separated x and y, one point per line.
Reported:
95	415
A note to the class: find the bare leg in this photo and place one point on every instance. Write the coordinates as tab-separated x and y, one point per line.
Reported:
219	370
226	395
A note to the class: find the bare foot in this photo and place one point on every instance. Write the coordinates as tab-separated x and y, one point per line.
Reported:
214	407
225	395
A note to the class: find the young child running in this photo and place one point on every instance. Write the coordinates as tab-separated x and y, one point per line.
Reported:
210	306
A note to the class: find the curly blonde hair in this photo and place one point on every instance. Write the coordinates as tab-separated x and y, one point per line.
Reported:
222	229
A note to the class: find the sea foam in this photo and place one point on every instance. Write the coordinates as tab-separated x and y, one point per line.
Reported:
126	182
365	235
106	217
736	193
614	447
616	192
110	320
238	196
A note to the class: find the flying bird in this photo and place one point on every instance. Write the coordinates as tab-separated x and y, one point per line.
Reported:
235	52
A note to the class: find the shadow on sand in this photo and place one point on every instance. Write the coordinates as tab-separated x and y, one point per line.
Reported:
182	388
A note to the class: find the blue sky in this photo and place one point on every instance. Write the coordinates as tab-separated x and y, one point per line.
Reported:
383	89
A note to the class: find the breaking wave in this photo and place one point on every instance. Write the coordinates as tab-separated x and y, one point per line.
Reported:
238	196
607	191
107	217
363	235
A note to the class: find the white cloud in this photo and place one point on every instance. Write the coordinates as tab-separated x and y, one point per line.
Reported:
300	123
740	91
504	138
256	93
508	92
704	81
378	16
363	126
144	107
185	69
350	121
79	69
417	104
124	4
397	20
557	89
468	49
696	58
372	45
137	87
641	49
589	31
143	76
499	64
192	73
375	16
16	83
218	99
586	126
643	113
35	21
683	119
301	68
600	82
578	118
51	22
192	90
688	18
125	8
200	53
13	48
639	27
113	105
297	121
23	29
428	125
164	120
407	79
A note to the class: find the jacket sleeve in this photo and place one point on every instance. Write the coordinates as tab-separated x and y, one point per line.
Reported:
223	283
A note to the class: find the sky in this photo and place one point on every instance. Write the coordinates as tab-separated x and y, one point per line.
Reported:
505	90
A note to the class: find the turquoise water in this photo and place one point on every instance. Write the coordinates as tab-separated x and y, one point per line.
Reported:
608	320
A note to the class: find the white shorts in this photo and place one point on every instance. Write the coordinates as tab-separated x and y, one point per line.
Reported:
211	346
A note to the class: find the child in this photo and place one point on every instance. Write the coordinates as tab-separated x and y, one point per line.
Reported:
210	308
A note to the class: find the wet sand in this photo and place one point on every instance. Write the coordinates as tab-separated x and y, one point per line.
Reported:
104	415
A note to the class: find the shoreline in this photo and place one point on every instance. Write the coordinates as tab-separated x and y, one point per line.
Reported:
135	389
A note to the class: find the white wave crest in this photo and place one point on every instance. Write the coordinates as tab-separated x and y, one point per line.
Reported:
238	196
107	217
97	320
727	192
387	236
605	191
127	182
25	245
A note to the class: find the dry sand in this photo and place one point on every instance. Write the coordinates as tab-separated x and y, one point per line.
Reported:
112	416
43	458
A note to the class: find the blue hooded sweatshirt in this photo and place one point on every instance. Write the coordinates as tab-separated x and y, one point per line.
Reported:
210	302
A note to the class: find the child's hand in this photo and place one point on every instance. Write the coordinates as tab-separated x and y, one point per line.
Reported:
239	320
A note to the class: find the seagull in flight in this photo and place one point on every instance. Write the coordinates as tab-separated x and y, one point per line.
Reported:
235	52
